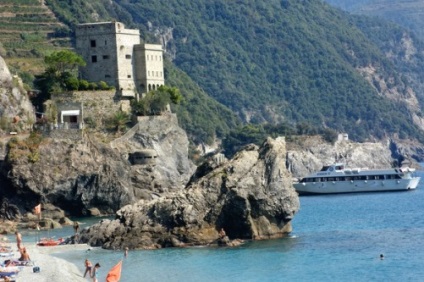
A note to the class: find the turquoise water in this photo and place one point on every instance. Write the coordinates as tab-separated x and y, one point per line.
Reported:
335	238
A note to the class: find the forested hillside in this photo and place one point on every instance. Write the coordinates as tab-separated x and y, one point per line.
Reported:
278	62
407	13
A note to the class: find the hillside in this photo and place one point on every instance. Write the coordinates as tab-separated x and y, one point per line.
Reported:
278	62
407	13
283	61
29	30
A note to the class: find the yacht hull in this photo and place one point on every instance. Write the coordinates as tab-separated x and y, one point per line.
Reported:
354	186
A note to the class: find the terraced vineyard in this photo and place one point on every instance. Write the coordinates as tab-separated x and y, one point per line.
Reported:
29	30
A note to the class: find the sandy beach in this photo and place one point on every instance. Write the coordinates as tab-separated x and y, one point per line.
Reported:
51	268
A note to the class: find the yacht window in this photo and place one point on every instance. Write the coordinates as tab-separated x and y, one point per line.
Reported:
324	168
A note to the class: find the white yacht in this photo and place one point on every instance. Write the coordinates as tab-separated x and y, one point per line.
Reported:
337	178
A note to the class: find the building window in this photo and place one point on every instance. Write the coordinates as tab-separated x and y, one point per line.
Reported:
105	42
129	76
94	59
148	73
93	43
107	75
105	57
128	56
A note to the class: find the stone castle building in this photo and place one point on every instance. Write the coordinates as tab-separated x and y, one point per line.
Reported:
116	56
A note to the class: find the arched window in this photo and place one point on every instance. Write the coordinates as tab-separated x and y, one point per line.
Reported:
150	87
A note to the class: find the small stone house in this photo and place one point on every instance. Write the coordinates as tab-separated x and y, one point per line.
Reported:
70	115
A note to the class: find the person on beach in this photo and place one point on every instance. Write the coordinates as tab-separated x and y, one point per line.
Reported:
222	233
95	272
18	240
76	227
24	255
88	268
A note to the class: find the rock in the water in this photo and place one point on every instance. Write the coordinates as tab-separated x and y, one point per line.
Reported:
250	196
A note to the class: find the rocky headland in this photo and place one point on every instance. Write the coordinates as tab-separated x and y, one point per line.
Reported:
250	196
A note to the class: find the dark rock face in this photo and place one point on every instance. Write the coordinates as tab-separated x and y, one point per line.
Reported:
78	176
73	176
250	196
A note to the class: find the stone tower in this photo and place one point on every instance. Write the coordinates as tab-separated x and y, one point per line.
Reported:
114	54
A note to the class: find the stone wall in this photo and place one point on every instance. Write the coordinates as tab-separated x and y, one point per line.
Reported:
71	134
98	105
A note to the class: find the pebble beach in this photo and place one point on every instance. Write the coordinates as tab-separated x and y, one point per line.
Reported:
51	267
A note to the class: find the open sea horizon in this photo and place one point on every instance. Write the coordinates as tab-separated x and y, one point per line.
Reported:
335	237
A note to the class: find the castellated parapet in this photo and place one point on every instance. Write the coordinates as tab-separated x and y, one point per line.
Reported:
115	55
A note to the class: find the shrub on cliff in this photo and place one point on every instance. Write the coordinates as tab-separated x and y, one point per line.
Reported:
119	121
157	101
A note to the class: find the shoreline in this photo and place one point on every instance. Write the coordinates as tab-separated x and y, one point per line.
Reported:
51	268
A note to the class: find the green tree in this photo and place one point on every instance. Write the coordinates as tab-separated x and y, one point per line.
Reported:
64	61
174	93
60	74
157	101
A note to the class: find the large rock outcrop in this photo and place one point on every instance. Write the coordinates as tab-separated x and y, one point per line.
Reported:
78	176
170	167
250	196
74	176
16	110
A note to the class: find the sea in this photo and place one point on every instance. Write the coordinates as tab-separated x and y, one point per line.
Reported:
335	238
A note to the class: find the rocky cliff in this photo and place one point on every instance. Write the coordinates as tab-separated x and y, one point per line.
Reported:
169	144
81	176
16	111
250	196
309	154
